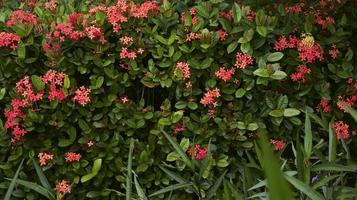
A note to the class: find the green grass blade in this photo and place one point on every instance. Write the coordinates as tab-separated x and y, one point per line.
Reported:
308	136
308	191
237	195
324	181
129	175
36	187
139	189
331	144
13	181
278	188
334	167
43	179
174	176
178	148
212	191
170	188
352	112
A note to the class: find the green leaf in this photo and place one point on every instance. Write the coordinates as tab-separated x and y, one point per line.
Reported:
334	167
278	189
72	133
212	191
37	82
2	93
161	39
66	82
173	156
240	92
21	51
83	125
276	56
188	19
11	187
139	189
41	176
170	188
262	31
95	169
324	181
332	145
278	75
164	121
99	82
302	187
185	143
252	126
237	13
308	136
232	46
178	148
129	179
261	72
36	187
352	112
276	113
291	112
177	116
222	163
174	176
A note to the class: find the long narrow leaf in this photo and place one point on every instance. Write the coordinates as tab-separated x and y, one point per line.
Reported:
331	144
353	112
36	187
334	167
312	194
278	189
178	148
43	179
174	176
139	189
324	181
13	181
308	136
129	175
212	191
234	191
170	188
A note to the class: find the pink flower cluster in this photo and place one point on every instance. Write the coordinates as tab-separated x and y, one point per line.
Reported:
72	157
210	96
193	16
54	79
126	40
334	52
21	17
346	101
226	15
9	40
44	158
184	68
225	74
295	9
222	35
278	144
243	60
341	129
123	10
300	75
251	15
199	153
63	188
193	36
125	53
324	104
82	95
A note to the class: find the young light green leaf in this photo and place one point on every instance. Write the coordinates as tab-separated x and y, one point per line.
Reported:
262	31
291	112
237	13
2	93
139	189
37	82
95	169
276	56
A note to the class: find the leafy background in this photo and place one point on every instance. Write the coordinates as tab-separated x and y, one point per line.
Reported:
258	106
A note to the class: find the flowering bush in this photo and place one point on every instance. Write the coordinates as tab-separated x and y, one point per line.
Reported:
194	85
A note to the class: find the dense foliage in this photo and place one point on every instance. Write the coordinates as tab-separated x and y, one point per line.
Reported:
98	97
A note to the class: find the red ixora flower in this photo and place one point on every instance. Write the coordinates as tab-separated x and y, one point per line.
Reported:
82	95
225	74
199	153
300	75
21	17
184	68
243	60
209	97
324	104
62	188
341	129
44	158
9	40
278	144
72	157
310	52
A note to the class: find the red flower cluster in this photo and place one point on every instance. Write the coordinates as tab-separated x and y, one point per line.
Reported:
324	104
309	53
295	9
63	188
341	129
82	95
184	68
243	60
225	74
125	53
44	158
72	157
343	102
193	16
278	144
222	34
21	17
226	15
199	153
284	43
300	75
251	15
119	13
193	36
209	97
334	52
9	40
54	79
